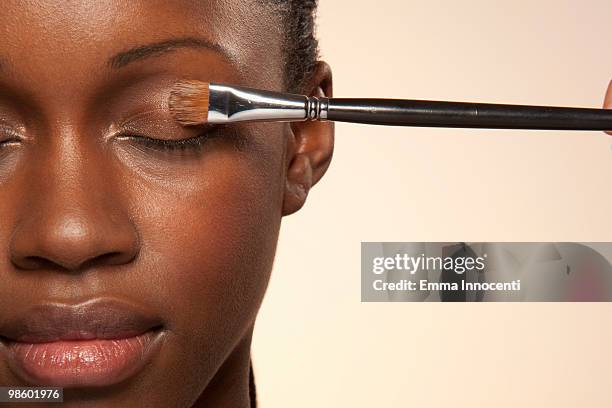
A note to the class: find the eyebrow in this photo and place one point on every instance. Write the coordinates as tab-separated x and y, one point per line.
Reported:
141	52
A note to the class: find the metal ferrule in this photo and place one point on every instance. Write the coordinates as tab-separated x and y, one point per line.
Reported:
230	104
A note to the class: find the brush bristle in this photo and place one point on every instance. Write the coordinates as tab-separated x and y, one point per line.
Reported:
188	102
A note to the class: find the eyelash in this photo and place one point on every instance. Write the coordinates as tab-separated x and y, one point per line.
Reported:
195	142
13	137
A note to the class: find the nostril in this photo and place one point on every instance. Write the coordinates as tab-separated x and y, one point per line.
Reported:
105	259
36	262
110	258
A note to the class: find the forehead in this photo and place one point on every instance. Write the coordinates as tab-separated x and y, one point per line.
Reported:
51	41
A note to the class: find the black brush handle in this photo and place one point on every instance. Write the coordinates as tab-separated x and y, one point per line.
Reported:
397	112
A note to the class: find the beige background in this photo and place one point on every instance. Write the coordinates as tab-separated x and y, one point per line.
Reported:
315	344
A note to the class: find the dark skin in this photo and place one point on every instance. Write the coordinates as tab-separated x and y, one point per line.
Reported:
92	207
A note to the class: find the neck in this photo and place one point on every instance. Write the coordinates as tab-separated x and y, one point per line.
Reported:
229	388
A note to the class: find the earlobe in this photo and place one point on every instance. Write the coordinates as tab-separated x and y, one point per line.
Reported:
310	152
297	184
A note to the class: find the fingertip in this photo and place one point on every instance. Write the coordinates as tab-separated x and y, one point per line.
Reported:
608	101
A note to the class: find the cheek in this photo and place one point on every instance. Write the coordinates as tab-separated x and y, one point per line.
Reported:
217	243
208	243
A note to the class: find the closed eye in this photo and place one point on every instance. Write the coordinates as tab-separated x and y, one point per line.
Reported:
168	144
9	136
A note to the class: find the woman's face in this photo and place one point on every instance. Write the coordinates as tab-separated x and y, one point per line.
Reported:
133	265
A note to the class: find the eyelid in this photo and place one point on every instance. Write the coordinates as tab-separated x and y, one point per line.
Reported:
16	133
146	118
156	124
139	116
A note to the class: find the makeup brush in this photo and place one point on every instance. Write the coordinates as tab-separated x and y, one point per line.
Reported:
197	103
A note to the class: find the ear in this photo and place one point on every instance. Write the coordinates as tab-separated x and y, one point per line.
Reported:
310	150
608	101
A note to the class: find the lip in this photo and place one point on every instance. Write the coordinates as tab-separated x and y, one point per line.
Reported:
96	343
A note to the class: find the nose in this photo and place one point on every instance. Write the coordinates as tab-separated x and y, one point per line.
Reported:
74	219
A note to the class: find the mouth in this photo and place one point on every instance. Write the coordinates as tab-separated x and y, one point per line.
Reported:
98	343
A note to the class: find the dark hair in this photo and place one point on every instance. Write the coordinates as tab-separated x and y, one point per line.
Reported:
300	43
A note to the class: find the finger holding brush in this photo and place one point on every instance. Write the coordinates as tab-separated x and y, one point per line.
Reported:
608	102
197	103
